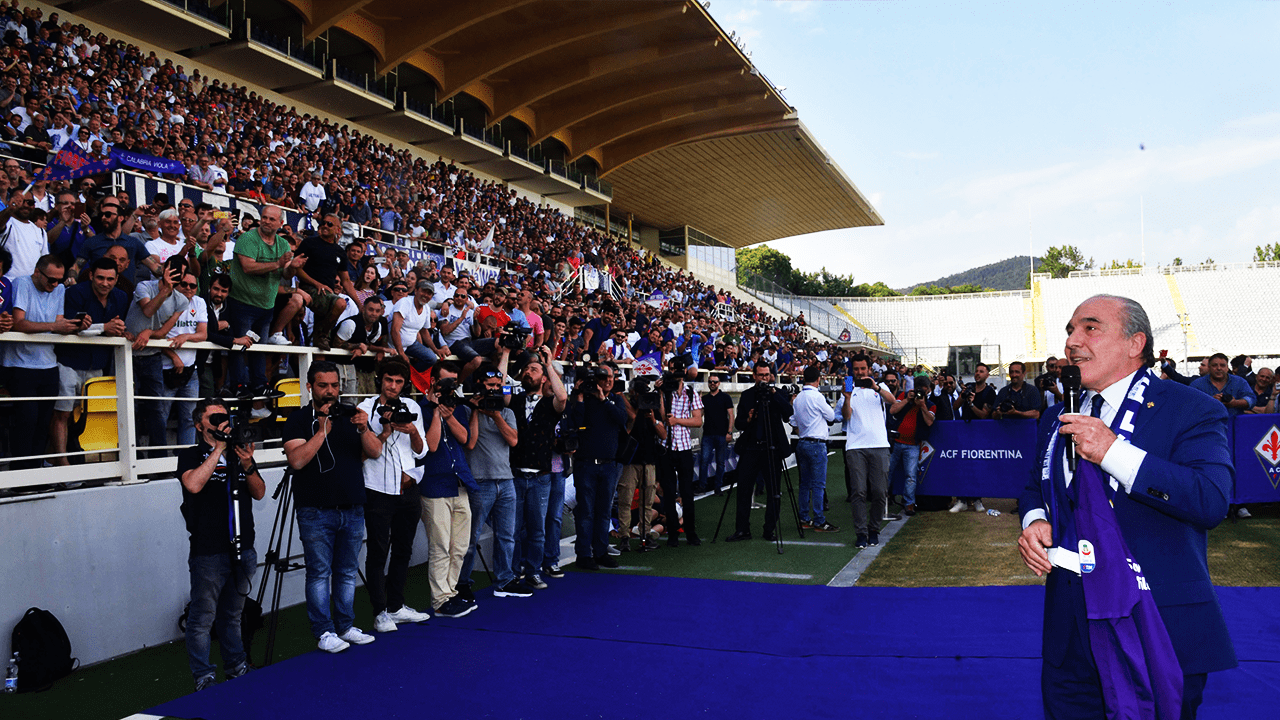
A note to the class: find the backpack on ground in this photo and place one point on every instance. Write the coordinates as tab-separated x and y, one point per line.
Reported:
44	651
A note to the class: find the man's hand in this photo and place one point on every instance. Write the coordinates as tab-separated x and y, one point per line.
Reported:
243	342
63	326
297	262
179	341
6	322
1092	436
360	418
284	260
1032	543
359	350
245	453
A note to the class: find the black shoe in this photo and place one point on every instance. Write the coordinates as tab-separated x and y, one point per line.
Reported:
673	541
910	509
826	527
552	571
624	546
770	535
244	668
607	561
738	536
587	564
862	541
464	592
875	539
455	607
514	588
693	540
649	545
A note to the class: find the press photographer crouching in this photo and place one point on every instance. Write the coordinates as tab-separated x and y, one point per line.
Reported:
600	416
391	505
325	443
762	410
219	580
648	430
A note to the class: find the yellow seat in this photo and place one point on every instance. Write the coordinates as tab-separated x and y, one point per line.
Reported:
98	415
292	389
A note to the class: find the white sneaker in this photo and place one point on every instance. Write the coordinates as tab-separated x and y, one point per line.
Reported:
260	413
1243	513
331	643
613	550
979	507
960	505
407	614
355	637
383	623
277	339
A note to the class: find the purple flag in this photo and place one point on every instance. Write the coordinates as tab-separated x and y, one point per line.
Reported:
71	162
1140	674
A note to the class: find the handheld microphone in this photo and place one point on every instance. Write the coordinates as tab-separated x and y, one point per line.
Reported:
1070	376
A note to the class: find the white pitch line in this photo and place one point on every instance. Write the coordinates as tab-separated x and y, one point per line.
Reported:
782	576
814	543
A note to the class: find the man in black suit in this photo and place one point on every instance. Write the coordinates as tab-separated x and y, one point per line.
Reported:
758	441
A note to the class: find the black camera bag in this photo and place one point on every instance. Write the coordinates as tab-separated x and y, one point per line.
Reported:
44	651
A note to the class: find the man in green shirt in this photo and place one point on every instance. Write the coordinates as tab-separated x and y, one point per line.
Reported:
262	260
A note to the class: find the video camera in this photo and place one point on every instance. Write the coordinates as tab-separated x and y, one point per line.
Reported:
399	412
514	336
341	411
450	392
646	397
492	399
242	433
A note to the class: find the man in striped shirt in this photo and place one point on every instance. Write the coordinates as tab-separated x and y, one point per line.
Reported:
675	469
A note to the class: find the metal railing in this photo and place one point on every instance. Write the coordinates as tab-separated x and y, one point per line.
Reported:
368	82
817	317
300	50
220	15
1164	269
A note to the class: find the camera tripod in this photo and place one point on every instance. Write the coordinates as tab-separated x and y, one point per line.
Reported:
773	483
281	528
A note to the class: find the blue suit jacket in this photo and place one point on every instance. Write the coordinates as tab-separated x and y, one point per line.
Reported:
1180	493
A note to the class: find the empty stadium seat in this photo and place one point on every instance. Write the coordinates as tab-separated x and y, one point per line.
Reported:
97	416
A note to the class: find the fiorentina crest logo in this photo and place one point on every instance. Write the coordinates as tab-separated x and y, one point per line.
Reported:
926	456
1268	450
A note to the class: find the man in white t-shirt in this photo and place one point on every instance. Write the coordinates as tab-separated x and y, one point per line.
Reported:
178	365
455	320
866	450
24	240
411	329
312	193
444	289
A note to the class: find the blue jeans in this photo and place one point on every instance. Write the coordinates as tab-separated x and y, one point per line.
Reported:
495	503
186	426
331	547
555	516
217	597
532	494
244	318
811	459
421	356
714	447
595	485
909	457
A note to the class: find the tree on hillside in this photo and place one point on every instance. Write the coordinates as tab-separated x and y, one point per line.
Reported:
1267	253
1061	261
949	290
766	262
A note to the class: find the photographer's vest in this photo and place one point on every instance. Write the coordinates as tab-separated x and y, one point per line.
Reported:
536	433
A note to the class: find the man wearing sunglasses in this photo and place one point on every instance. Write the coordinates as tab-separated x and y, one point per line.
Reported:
318	278
112	224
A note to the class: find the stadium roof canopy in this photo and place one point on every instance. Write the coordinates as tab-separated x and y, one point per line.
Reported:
667	106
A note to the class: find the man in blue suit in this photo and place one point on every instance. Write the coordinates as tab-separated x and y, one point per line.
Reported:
1172	481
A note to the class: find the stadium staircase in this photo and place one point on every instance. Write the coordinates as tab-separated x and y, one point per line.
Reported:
819	314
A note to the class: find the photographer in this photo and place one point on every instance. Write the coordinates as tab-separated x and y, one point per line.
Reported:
1018	399
391	506
491	433
1049	383
717	419
537	410
645	425
219	584
600	416
757	445
911	415
445	488
947	398
325	443
675	466
812	417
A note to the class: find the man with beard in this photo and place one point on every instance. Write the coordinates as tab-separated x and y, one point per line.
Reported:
537	411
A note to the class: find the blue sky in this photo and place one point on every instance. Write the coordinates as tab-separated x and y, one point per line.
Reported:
964	123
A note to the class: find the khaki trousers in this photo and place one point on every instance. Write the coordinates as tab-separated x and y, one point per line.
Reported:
632	477
448	523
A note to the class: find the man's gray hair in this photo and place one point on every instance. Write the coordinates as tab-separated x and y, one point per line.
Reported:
168	213
1134	320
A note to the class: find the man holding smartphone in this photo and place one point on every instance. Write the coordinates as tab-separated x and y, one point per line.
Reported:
866	448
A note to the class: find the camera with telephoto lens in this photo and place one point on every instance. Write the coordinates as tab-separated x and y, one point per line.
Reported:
514	336
491	399
646	397
450	392
342	411
399	412
243	433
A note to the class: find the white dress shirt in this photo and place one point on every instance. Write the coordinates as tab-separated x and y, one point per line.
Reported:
382	474
811	414
1121	462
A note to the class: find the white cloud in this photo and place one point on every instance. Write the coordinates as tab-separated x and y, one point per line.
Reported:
1260	226
916	155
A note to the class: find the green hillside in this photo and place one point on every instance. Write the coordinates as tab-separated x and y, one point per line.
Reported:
1008	274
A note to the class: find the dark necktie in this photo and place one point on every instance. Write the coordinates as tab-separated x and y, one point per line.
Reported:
1097	405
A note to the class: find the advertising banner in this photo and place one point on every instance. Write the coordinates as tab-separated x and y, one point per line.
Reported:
1256	448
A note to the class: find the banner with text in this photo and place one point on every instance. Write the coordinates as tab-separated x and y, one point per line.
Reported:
1256	449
